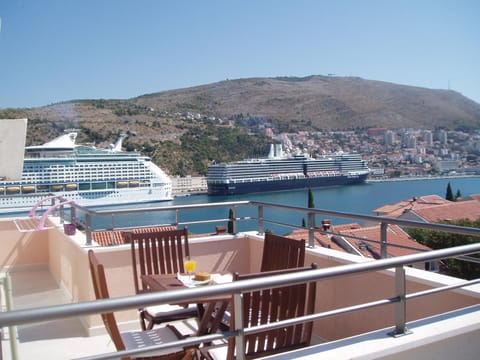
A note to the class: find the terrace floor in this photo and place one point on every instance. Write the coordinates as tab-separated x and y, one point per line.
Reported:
56	339
62	339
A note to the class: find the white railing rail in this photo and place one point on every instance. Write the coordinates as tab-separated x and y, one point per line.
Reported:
83	217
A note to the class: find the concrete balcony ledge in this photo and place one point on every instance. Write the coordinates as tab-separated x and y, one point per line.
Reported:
451	335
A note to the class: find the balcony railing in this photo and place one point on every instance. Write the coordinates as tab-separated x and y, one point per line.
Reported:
19	317
260	214
247	213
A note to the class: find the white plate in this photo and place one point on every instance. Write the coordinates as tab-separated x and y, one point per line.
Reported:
198	283
185	279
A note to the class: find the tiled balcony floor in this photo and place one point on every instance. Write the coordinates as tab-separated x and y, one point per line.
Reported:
57	339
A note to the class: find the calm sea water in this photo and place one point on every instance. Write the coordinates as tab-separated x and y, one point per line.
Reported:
362	199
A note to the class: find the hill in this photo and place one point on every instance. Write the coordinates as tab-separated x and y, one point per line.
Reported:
325	102
184	129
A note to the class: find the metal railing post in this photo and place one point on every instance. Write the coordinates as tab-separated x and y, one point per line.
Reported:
401	306
12	330
112	220
88	228
62	214
260	219
311	230
239	326
73	215
383	239
234	220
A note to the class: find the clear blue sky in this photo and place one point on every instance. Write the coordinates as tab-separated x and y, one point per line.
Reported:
57	50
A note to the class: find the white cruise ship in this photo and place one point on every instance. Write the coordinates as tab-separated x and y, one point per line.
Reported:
84	174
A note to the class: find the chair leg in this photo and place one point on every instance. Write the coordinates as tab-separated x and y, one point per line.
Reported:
150	324
147	321
142	320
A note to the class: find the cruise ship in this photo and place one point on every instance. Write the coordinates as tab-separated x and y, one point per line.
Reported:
84	174
279	171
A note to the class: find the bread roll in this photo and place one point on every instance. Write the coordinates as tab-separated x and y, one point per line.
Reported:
202	276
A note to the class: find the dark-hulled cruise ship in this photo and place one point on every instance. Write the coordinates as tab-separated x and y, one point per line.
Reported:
285	172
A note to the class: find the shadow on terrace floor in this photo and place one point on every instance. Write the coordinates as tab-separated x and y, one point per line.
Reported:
57	339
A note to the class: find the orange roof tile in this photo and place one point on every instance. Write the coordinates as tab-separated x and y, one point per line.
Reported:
474	197
395	236
109	238
469	209
396	210
343	227
320	239
358	237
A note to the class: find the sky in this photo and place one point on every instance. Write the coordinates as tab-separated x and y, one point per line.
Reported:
59	50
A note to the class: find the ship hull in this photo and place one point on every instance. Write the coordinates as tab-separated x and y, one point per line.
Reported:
114	197
248	187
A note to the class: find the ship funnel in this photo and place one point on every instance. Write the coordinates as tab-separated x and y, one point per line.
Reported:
271	152
117	147
278	150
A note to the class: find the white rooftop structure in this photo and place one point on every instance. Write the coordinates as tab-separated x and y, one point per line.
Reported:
12	147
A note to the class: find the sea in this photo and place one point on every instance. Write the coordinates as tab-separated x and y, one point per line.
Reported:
361	199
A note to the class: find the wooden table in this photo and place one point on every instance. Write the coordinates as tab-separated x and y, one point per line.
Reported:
161	282
165	282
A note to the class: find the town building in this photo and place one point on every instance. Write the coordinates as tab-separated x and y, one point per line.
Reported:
188	184
433	209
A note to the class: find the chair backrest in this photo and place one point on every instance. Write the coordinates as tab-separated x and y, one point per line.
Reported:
280	252
271	305
99	281
157	252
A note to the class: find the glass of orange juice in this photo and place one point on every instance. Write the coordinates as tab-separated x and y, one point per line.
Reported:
190	266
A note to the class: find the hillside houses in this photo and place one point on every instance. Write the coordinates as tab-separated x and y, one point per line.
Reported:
352	238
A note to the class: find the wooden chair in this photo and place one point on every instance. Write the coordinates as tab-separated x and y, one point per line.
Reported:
280	252
269	306
159	252
135	339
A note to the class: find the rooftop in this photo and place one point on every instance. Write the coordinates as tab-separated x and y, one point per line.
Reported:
364	241
433	208
395	210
